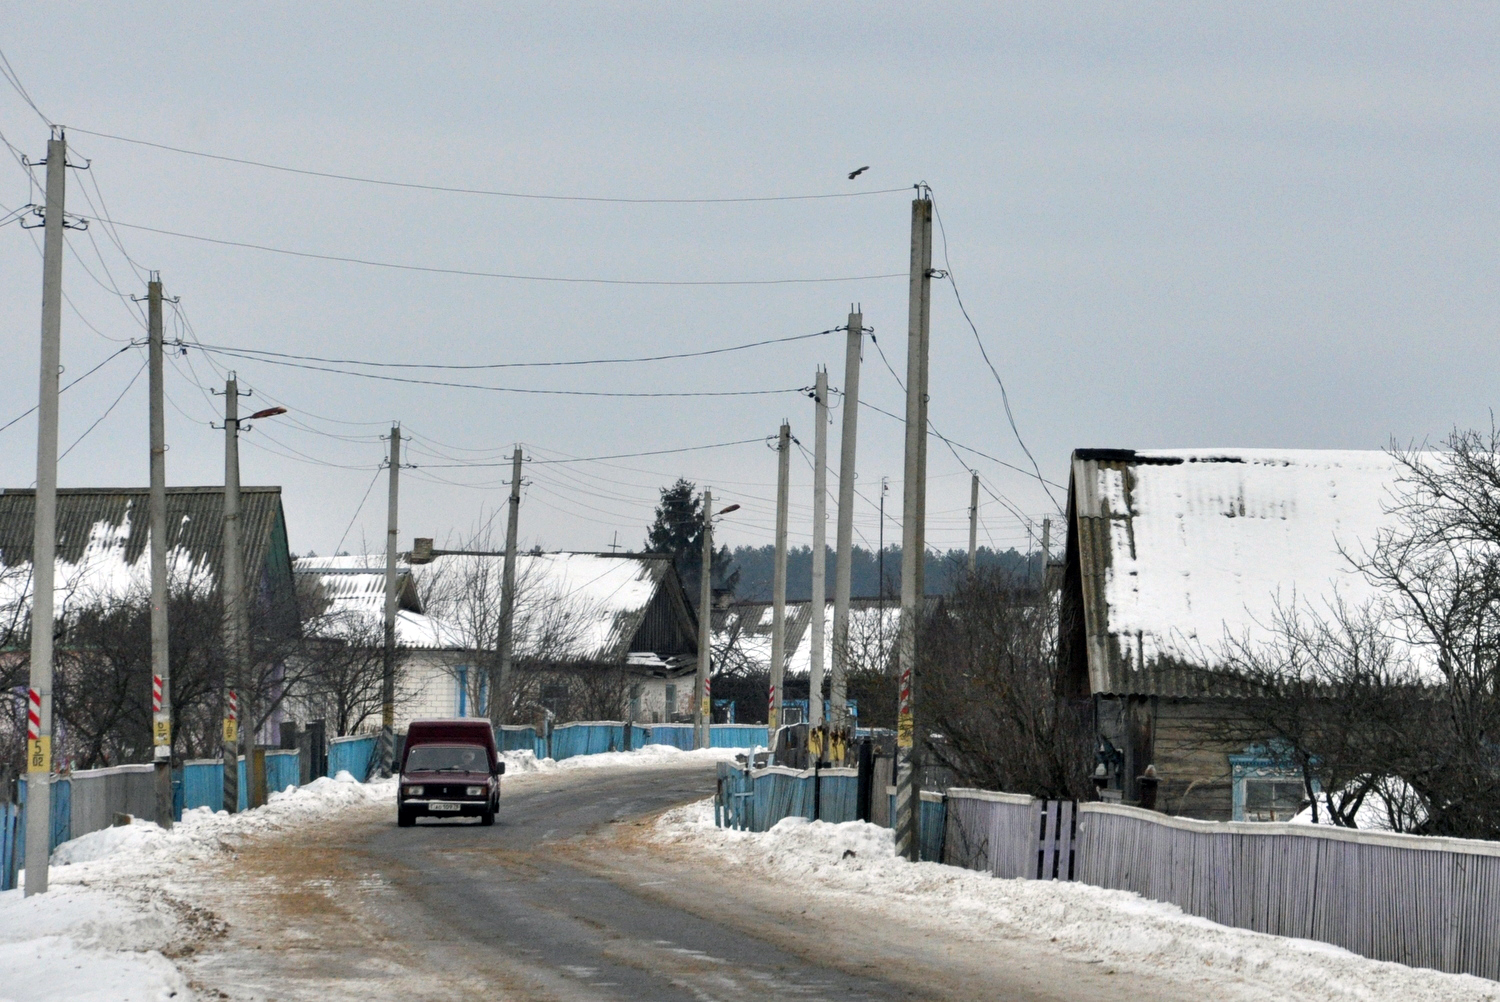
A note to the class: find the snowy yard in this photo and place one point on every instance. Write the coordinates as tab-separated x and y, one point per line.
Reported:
854	864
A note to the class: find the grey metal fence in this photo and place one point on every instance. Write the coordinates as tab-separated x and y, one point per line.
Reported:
1427	902
100	794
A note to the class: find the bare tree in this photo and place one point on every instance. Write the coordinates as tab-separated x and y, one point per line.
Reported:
988	679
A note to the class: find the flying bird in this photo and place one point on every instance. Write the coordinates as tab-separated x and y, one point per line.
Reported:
858	172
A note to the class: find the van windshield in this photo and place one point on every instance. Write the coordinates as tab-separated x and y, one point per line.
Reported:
447	758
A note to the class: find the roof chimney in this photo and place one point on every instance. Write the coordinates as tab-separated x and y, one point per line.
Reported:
421	550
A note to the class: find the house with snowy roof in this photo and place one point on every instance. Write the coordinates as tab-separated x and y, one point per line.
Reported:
103	552
606	632
742	636
1169	554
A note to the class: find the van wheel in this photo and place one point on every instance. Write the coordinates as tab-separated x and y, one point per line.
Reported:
487	818
405	818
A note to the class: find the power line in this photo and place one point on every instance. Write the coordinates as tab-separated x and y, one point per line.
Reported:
107	360
14	79
106	413
595	459
361	508
494	389
967	448
429	269
417	186
514	365
1004	396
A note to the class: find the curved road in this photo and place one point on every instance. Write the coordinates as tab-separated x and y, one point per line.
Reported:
551	926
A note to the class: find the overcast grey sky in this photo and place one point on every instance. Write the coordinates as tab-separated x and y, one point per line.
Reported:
1174	225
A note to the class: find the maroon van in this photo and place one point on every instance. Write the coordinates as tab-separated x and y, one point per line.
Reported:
449	768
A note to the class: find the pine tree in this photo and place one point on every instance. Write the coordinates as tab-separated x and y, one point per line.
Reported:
678	530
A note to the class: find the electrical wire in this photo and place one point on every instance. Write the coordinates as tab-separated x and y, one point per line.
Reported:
1004	396
106	413
32	409
494	389
514	365
14	79
479	191
433	270
595	459
361	508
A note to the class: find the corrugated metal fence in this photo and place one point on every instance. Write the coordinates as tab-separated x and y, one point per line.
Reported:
1427	902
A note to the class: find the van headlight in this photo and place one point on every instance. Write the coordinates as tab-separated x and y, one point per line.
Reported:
474	791
412	791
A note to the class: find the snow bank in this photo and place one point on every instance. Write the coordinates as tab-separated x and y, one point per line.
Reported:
98	933
855	865
647	757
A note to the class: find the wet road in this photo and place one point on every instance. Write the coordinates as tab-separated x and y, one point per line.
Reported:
556	929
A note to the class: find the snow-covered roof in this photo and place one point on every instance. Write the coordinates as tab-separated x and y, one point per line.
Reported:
570	606
354	599
745	629
1169	551
103	540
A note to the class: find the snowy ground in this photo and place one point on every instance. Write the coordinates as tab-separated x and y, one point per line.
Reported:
119	912
1119	930
855	864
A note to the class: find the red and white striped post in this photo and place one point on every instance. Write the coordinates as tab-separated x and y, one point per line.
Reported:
38	750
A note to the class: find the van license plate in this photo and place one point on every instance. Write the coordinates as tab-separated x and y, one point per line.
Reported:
442	807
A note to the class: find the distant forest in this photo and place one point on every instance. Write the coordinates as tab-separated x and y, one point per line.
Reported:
755	563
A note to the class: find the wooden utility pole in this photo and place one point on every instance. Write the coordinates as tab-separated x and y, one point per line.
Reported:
819	547
161	668
973	520
388	675
838	701
499	708
235	620
913	534
44	533
778	582
702	705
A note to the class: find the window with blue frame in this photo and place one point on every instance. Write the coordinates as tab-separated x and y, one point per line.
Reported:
1267	785
461	697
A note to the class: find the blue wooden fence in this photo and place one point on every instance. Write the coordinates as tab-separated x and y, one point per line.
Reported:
354	755
10	814
755	800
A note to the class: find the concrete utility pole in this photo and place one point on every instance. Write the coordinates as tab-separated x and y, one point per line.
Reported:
161	668
913	532
44	538
235	619
778	581
973	520
1046	542
388	676
702	706
819	547
838	703
500	685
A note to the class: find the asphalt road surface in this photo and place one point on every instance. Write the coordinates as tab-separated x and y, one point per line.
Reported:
551	925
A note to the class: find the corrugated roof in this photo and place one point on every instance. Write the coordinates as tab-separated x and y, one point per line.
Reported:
103	535
1169	550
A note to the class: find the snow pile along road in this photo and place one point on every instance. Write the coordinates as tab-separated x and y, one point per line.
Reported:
855	864
647	757
107	926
